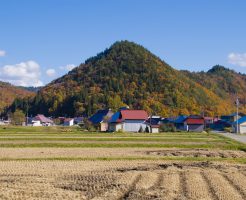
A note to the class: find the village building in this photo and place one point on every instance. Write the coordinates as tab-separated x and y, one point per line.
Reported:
78	120
194	123
241	125
220	125
128	121
153	124
41	120
101	118
232	117
68	122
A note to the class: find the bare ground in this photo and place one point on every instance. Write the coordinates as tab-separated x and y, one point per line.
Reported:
112	180
116	152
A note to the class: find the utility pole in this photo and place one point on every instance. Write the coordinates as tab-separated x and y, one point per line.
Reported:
27	109
237	104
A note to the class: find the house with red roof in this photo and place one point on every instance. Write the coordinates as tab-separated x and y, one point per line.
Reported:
194	123
128	121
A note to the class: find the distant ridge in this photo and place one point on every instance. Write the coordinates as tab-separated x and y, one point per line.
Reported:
8	93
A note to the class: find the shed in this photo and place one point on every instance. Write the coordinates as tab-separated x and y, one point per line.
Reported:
194	123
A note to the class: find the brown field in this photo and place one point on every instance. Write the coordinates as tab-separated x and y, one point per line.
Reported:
121	180
49	164
18	153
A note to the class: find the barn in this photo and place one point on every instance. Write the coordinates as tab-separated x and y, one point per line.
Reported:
128	121
194	123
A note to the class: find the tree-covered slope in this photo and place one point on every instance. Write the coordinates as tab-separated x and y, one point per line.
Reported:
224	82
8	93
126	74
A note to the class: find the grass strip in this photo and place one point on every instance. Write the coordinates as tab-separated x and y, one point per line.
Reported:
164	158
225	146
110	139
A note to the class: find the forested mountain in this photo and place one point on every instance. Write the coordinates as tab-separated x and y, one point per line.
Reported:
8	93
128	74
224	82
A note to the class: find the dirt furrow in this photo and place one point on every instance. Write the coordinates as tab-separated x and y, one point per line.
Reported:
183	186
221	188
126	182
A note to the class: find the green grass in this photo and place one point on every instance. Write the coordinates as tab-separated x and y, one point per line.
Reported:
63	137
163	158
126	145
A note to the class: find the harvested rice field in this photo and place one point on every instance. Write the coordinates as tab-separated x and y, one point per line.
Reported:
121	180
64	163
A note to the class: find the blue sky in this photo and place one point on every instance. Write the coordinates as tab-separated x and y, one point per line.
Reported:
42	40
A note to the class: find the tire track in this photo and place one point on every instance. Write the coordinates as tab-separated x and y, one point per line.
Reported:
237	182
170	185
132	187
158	182
183	186
220	187
121	189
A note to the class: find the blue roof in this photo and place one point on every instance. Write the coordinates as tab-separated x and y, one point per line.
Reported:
98	116
180	119
115	117
240	121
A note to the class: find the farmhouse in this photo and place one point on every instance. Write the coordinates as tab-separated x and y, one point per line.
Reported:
194	123
241	125
41	120
128	121
68	122
100	119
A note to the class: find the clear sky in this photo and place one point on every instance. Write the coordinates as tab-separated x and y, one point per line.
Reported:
42	40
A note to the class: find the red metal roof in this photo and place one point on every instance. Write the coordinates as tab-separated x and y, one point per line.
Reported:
194	121
134	114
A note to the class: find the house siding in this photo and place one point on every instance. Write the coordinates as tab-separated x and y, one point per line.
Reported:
133	125
242	128
114	127
195	127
